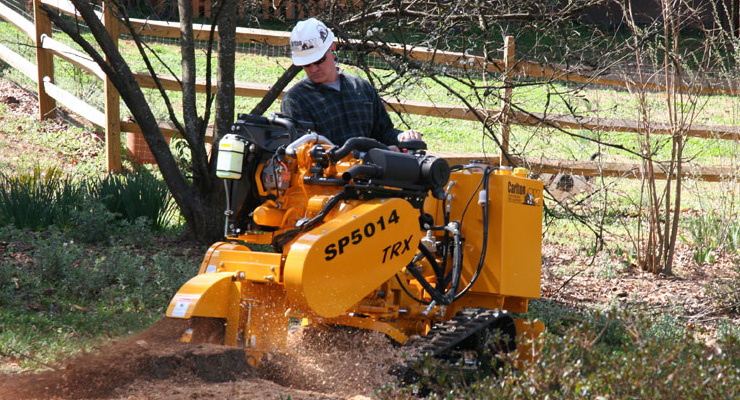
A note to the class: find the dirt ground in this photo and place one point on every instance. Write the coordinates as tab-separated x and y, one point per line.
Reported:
153	365
326	364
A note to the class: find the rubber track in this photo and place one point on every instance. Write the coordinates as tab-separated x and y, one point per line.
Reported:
448	334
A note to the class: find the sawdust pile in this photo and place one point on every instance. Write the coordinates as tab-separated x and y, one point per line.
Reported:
153	353
339	360
323	363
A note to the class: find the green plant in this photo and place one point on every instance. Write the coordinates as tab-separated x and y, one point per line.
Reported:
58	294
711	234
650	362
91	222
8	283
704	254
136	195
58	257
38	199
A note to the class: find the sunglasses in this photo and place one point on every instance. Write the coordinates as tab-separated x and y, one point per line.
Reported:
317	62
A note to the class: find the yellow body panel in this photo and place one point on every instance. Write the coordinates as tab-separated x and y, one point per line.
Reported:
390	330
210	261
247	264
332	267
517	204
513	258
250	265
207	295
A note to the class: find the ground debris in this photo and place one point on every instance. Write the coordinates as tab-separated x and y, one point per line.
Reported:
339	360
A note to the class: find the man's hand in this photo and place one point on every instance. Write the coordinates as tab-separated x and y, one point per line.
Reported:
406	135
409	135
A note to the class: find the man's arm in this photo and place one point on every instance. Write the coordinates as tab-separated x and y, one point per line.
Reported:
290	106
388	133
383	128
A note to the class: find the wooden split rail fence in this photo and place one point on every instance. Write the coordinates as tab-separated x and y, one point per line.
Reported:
49	94
269	9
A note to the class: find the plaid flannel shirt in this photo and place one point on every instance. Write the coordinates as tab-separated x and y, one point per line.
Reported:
356	110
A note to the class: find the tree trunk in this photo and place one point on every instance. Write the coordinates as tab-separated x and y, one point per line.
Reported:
201	203
226	15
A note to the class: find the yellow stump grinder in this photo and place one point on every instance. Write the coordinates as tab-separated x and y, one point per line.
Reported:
361	236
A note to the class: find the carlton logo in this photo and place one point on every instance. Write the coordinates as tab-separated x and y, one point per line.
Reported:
515	188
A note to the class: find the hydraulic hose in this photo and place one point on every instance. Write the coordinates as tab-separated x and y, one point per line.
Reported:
280	240
356	143
430	257
436	295
484	248
367	171
457	256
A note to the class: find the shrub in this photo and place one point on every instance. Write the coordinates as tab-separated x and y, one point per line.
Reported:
91	222
86	210
647	364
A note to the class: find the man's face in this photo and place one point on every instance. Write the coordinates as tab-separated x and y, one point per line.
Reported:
323	70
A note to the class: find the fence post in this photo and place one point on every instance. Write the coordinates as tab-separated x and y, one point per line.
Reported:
112	101
290	10
207	7
266	13
44	61
506	98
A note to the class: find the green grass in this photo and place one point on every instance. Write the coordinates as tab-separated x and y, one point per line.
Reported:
38	338
29	144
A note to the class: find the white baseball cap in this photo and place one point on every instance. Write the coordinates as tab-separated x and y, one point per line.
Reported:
309	41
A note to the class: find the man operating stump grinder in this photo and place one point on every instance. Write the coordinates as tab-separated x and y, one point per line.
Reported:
399	243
